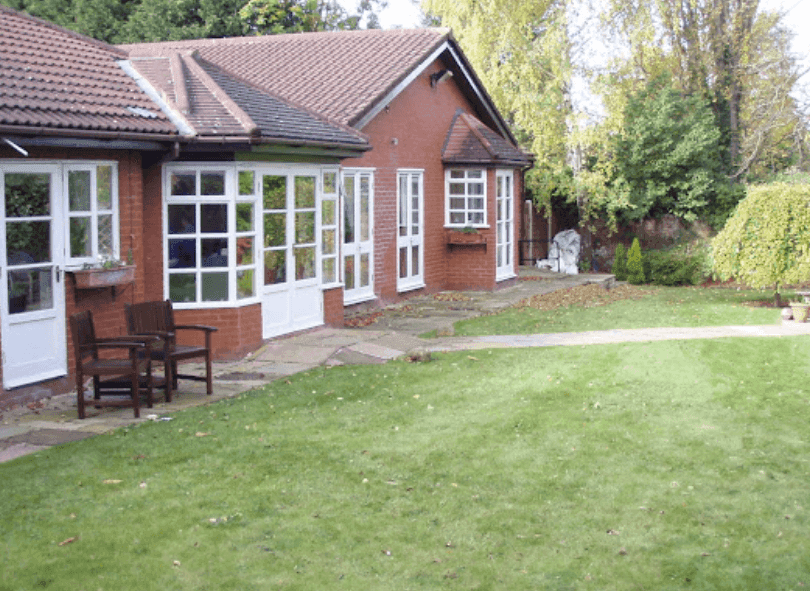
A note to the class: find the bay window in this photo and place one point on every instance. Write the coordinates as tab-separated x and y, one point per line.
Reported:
466	190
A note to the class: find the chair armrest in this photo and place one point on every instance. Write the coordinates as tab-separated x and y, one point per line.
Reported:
132	338
195	327
119	345
157	334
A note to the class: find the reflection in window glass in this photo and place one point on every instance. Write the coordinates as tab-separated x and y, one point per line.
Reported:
275	229
214	218
274	192
328	212
330	182
305	227
28	242
304	192
30	290
244	251
184	183
304	263
244	217
246	182
80	245
182	219
215	287
214	252
104	188
348	272
105	235
275	267
329	271
212	183
329	245
182	253
365	270
183	287
79	190
245	284
27	195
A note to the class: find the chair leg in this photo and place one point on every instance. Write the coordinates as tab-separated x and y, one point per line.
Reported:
149	393
80	393
209	381
135	392
168	376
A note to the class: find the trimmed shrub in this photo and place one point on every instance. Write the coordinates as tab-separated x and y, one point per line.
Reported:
620	263
635	264
766	242
671	267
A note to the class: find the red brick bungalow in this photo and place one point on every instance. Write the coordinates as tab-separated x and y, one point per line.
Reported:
263	184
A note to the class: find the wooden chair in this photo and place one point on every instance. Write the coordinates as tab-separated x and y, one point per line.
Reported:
136	369
157	319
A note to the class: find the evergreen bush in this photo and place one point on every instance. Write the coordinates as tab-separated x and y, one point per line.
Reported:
673	267
635	264
620	263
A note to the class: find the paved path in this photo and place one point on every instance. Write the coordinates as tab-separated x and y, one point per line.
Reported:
54	421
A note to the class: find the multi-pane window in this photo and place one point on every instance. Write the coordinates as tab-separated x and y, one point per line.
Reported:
466	197
198	236
246	235
329	228
92	207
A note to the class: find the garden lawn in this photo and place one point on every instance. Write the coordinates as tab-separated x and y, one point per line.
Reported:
580	309
641	466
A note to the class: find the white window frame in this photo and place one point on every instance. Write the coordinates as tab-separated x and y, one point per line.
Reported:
466	181
330	207
230	197
95	256
358	248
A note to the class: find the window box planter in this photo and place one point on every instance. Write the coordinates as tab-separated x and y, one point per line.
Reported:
461	238
101	277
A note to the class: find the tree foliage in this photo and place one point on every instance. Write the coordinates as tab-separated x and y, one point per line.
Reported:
766	242
521	51
667	154
132	21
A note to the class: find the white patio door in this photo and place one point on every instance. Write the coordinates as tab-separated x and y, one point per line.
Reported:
410	231
291	295
34	341
358	245
504	225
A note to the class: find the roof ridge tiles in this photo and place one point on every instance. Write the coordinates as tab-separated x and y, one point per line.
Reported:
189	60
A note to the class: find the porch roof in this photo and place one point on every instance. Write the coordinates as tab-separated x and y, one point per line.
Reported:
469	141
55	80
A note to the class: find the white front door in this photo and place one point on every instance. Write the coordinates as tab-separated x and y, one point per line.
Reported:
34	342
291	294
358	245
505	225
410	231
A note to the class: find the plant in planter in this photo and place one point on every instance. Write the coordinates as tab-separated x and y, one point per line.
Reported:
800	311
108	272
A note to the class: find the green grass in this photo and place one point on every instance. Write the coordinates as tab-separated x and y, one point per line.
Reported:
641	466
666	306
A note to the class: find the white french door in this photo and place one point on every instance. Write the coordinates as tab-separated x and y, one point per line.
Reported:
291	294
358	237
410	231
505	225
34	343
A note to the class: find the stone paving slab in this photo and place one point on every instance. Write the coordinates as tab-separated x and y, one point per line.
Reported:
18	450
377	350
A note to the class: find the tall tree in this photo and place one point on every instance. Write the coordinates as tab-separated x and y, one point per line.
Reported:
521	51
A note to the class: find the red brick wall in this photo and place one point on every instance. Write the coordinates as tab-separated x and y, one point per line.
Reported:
410	134
333	307
240	329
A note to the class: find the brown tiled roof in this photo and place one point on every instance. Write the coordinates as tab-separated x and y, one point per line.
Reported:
471	142
340	74
52	78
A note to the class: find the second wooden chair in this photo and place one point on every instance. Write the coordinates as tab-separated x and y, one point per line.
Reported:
157	319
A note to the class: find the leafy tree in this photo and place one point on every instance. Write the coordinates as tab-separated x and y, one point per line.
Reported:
766	242
666	156
132	21
521	51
